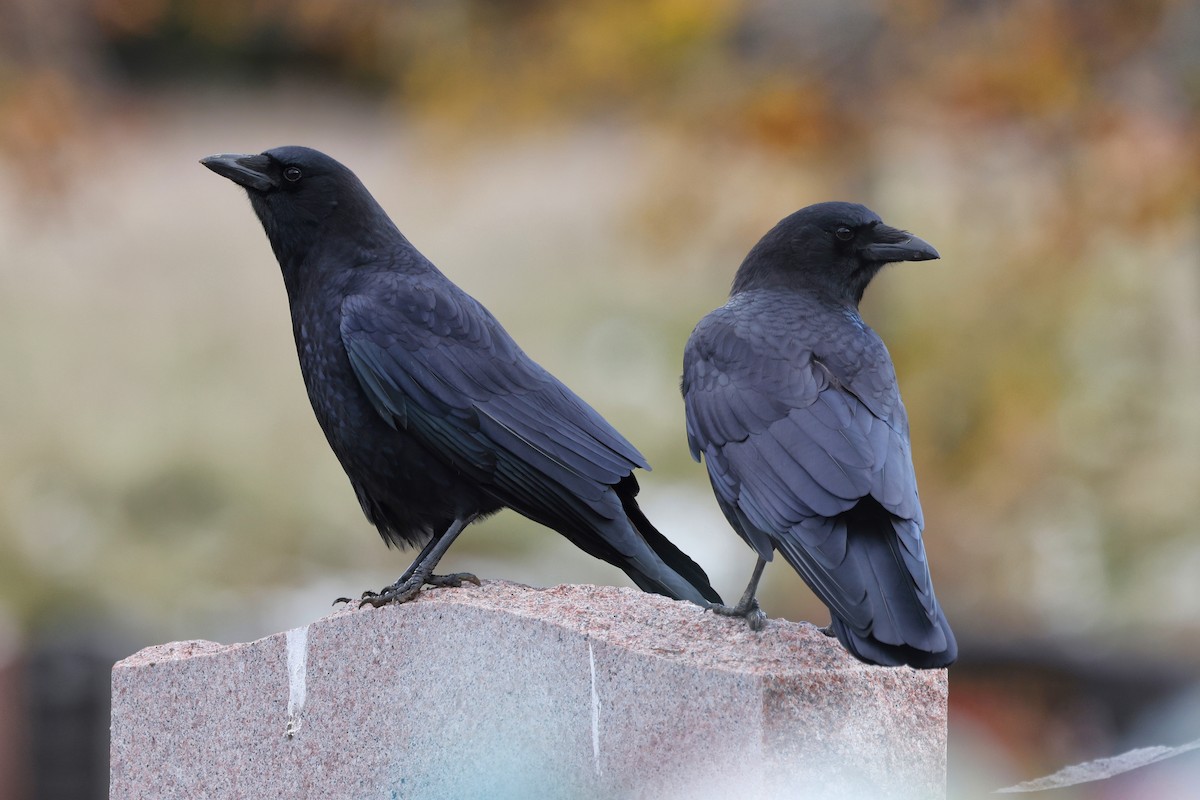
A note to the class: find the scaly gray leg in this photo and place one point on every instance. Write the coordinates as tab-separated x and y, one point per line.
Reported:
420	572
747	608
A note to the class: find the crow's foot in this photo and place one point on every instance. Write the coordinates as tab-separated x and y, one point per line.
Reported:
405	590
756	618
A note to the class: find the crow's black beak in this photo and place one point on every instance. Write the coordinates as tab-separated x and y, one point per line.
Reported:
891	245
252	172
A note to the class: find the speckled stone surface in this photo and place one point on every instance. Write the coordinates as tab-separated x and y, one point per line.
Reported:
503	691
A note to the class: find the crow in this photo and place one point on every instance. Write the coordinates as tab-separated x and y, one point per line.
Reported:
792	402
436	415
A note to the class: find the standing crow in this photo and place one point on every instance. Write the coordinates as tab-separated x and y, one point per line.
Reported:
433	410
792	401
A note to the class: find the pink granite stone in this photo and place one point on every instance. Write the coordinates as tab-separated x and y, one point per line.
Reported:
503	691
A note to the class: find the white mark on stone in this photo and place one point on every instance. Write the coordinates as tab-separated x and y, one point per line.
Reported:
297	658
595	711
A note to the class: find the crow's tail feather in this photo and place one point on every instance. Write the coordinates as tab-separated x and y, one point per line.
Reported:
907	625
871	650
672	556
879	592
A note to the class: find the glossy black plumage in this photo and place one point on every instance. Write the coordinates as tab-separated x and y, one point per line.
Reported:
434	412
793	405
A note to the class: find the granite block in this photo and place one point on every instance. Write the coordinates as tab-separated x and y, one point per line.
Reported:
505	691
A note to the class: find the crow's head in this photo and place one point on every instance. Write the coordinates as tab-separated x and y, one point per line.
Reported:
302	196
834	249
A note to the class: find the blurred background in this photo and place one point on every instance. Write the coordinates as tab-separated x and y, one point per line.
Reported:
593	172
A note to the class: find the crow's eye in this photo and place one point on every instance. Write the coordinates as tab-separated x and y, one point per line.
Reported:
844	234
292	174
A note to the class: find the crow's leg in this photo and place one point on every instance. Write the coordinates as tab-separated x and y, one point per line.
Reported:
747	608
432	543
420	572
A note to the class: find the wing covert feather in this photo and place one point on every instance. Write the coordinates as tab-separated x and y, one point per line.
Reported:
458	382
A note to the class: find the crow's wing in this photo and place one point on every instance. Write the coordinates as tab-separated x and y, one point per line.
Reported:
793	441
434	362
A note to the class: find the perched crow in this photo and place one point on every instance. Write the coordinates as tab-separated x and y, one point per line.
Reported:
792	402
433	410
